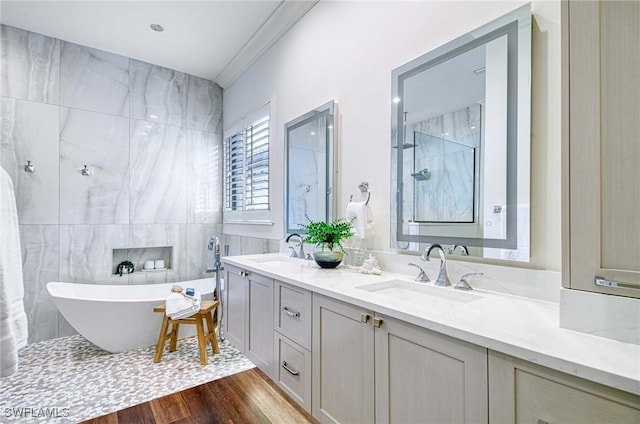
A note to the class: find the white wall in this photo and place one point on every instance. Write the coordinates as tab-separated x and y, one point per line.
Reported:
347	50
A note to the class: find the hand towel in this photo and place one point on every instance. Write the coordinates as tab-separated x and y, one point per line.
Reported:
180	306
13	319
362	217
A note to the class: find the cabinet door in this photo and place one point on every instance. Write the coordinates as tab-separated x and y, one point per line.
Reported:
343	379
234	306
521	392
425	377
259	330
603	149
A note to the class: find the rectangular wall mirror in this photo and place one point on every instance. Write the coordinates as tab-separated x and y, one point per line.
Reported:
461	143
309	158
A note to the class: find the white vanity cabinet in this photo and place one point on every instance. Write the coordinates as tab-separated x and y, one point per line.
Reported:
249	316
388	371
521	392
292	342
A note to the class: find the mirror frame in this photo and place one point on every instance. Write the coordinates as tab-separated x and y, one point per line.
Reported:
516	25
326	110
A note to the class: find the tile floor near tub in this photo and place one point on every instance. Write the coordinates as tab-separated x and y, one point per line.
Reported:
72	380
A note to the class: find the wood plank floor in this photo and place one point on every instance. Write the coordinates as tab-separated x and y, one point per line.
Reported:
246	397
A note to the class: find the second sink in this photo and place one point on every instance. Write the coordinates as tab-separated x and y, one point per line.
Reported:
407	290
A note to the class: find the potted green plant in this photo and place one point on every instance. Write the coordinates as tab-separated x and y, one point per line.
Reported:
328	238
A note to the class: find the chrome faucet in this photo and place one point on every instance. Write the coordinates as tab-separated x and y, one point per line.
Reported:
464	251
463	284
443	278
422	276
214	245
295	254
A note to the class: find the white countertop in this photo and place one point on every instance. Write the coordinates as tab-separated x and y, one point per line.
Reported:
521	327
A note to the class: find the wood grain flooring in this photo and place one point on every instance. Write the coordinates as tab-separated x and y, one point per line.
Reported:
245	397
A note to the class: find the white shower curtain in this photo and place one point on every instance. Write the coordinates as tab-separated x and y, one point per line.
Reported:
13	320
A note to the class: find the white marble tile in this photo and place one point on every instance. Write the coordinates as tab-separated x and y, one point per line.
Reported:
204	177
64	328
198	256
39	245
30	132
86	252
101	142
30	66
613	317
158	173
158	94
159	235
93	80
204	105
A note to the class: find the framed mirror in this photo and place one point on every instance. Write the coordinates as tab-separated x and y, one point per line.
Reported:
309	159
461	143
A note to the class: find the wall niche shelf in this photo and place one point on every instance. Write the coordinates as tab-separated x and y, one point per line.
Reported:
139	255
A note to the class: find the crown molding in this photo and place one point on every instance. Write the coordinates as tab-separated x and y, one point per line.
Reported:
281	20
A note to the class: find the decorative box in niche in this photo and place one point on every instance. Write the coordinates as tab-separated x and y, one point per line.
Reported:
144	259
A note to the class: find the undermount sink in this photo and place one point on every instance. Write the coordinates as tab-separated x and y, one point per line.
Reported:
275	262
409	291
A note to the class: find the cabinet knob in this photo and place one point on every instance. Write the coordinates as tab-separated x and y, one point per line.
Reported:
377	322
541	421
244	273
364	317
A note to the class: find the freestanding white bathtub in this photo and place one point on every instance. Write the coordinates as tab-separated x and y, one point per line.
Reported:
118	318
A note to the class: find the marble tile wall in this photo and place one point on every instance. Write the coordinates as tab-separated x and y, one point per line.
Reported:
152	138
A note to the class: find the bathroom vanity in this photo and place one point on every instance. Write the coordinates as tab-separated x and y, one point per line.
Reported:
350	347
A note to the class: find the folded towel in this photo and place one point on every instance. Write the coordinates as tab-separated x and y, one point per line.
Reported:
179	305
13	319
362	217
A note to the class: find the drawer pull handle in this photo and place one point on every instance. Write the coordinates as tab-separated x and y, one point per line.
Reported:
377	322
244	273
364	317
292	314
599	281
540	421
289	370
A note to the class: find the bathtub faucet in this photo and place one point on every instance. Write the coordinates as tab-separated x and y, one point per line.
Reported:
214	244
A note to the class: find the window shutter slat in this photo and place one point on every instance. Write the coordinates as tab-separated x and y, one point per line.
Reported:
247	167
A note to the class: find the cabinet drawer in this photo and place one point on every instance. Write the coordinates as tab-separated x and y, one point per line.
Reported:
293	314
293	372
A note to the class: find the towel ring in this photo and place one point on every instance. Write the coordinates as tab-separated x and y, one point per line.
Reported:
368	198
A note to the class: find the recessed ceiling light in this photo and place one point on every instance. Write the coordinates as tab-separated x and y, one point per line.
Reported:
157	27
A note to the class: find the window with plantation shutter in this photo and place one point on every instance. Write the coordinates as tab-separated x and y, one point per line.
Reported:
246	165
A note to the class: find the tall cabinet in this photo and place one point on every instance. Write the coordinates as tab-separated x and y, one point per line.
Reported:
602	146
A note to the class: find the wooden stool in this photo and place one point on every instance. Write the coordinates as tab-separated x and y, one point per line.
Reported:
206	308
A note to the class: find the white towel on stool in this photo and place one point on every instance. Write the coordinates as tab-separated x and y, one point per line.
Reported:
13	319
178	306
362	217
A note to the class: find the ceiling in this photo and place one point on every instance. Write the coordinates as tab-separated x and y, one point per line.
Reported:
212	39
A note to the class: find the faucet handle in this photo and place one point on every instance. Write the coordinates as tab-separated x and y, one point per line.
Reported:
293	254
463	284
422	276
